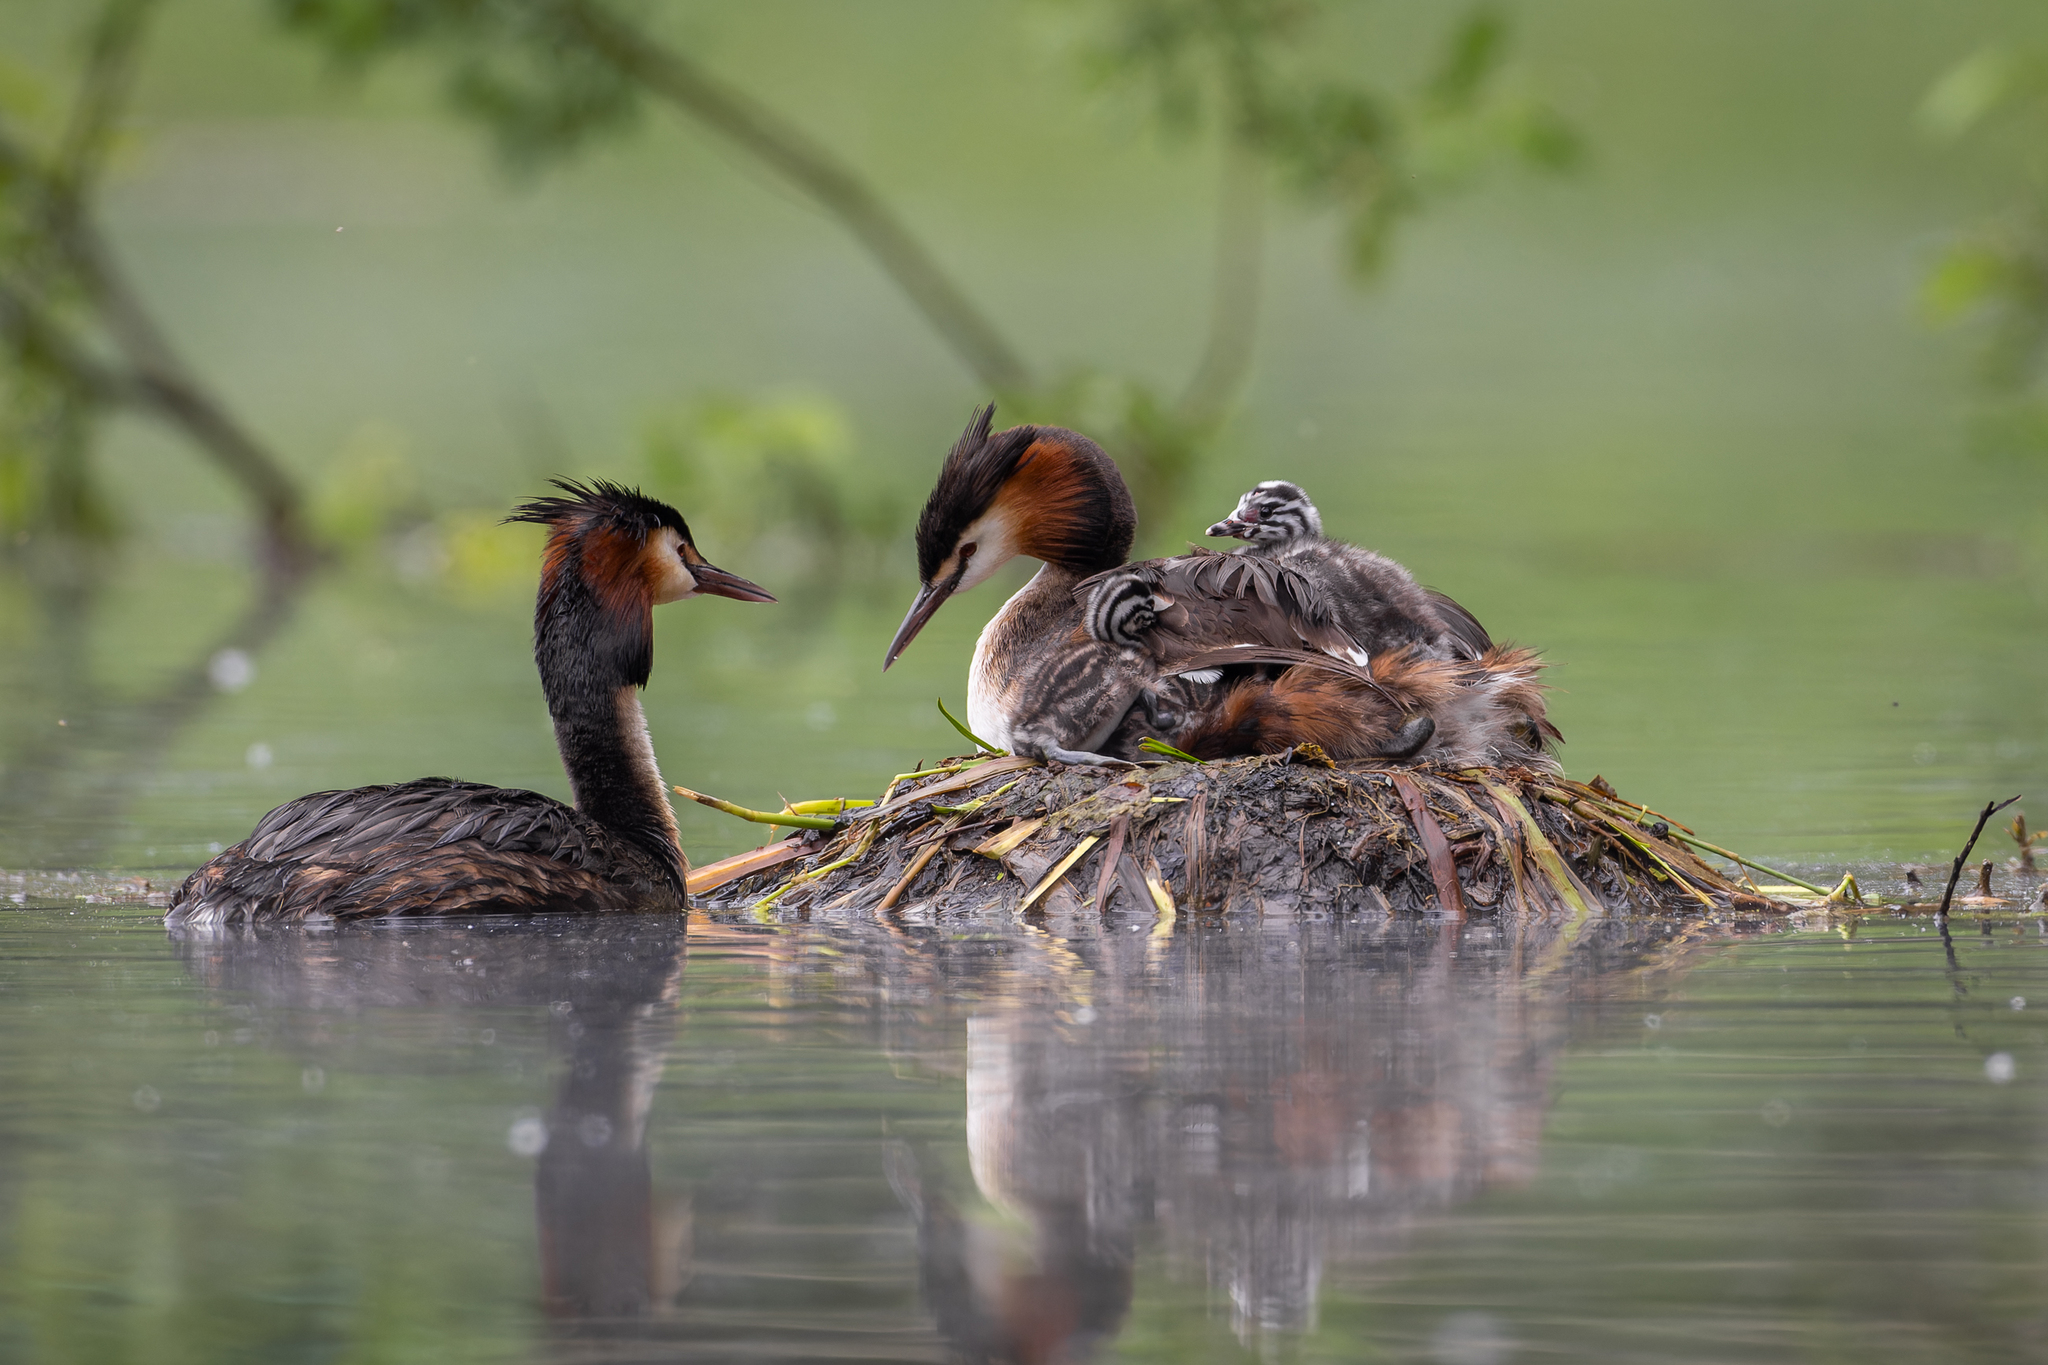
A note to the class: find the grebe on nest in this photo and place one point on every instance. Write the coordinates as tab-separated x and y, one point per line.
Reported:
1244	654
437	846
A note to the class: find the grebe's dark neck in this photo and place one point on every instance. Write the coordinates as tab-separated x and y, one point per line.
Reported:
594	656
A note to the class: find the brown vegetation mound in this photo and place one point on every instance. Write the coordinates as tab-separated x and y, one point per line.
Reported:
1288	833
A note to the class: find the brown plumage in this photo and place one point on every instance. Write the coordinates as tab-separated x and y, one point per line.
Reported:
1373	598
1172	608
1487	711
1037	685
436	846
1093	655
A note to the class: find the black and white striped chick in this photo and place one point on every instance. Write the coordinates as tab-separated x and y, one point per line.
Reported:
1310	641
437	846
1375	599
1283	672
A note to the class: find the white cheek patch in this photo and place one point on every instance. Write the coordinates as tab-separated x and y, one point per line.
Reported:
669	577
994	537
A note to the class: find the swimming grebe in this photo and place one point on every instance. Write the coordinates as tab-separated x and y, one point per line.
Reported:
1374	598
437	846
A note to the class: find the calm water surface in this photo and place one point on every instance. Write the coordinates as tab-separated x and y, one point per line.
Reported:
1331	1140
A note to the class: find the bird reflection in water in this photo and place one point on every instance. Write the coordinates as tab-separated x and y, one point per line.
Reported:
1259	1110
611	1251
1257	1104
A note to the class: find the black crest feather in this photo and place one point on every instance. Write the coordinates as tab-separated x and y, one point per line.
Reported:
1086	524
599	501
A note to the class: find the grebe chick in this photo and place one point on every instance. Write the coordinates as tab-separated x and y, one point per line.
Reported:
1371	596
1288	674
1038	685
437	846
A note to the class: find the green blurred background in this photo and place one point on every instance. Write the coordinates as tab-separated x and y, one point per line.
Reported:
1678	409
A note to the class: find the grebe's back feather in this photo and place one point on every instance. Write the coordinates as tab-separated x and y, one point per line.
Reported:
431	846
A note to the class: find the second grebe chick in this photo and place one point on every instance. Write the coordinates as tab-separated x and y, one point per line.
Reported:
1375	599
436	846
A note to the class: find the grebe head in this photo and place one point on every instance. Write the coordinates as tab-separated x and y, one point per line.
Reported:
1271	512
1046	492
612	556
630	550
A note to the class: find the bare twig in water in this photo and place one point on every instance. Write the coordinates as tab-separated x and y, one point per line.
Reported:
1991	808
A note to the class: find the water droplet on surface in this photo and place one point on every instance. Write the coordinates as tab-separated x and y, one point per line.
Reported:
231	670
1471	1339
527	1136
1999	1068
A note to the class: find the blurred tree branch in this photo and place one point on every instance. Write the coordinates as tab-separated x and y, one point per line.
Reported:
60	283
548	76
806	163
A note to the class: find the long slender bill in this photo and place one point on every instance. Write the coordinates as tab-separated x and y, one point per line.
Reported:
929	599
716	581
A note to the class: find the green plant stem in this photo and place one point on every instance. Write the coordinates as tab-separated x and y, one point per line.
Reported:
955	722
1161	747
761	817
1786	877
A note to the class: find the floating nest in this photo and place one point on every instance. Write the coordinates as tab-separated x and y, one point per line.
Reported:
1287	833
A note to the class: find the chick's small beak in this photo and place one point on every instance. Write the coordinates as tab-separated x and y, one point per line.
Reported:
930	598
1229	526
716	581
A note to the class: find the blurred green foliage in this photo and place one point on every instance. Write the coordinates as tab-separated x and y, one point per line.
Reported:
549	78
1249	69
1996	274
779	469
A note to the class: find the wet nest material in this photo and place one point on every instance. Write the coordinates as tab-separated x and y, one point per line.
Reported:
1292	832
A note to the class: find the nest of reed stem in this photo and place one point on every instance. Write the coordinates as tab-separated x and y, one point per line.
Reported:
1292	833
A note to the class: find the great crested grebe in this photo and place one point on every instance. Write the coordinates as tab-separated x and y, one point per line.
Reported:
1375	599
1064	672
1038	686
437	846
